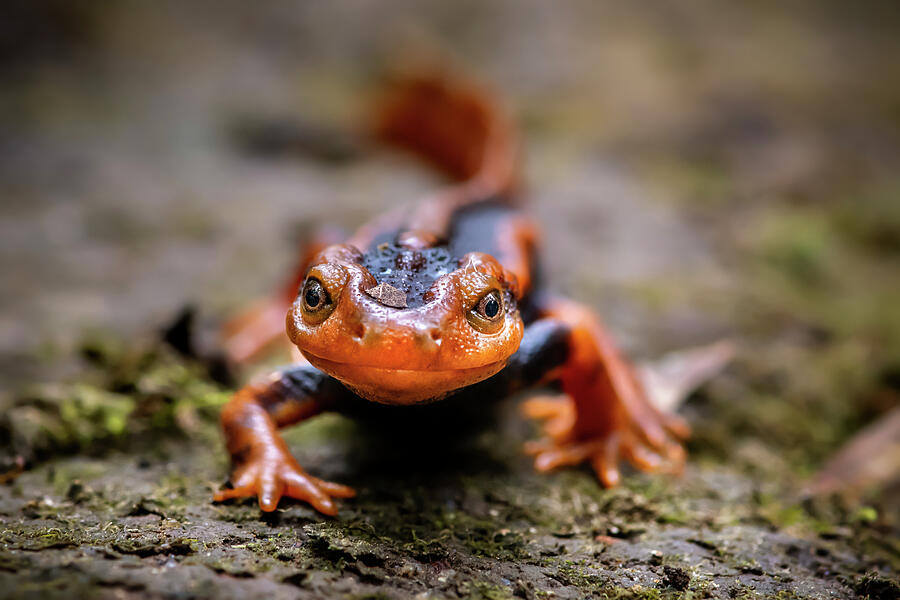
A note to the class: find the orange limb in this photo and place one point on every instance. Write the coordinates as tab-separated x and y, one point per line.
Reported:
517	239
260	327
262	465
604	415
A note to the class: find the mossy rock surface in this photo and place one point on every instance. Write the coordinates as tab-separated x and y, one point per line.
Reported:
464	517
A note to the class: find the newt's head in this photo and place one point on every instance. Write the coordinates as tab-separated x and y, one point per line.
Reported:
402	326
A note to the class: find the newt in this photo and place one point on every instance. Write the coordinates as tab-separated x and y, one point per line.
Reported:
439	301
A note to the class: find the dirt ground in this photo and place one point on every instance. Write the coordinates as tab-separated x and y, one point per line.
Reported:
701	170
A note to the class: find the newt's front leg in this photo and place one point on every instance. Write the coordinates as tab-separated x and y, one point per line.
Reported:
605	414
259	327
262	464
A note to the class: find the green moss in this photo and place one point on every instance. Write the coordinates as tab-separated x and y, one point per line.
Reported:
865	514
633	593
797	243
574	573
129	393
482	590
76	416
786	595
36	538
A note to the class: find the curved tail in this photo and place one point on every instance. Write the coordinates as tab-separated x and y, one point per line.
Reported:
456	127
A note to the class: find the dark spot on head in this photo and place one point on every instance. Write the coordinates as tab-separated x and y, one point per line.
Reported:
410	260
410	271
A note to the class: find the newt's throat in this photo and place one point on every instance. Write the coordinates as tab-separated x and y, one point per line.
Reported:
403	386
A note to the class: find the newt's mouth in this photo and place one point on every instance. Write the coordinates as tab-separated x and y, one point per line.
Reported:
403	386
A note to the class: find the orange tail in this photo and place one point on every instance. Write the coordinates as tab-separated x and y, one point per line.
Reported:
456	127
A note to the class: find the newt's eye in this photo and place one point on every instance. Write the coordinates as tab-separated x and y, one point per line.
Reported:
489	306
313	295
316	301
487	315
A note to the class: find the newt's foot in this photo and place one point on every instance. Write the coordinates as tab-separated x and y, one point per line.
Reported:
276	475
649	441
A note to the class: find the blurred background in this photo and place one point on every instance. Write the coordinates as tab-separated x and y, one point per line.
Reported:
702	170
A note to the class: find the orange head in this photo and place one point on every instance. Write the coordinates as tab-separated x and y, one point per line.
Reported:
405	326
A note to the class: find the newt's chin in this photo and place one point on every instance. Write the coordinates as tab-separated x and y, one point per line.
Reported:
403	386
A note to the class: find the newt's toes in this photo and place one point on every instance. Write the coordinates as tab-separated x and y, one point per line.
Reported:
232	493
606	462
334	489
556	412
546	407
605	453
678	427
277	481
